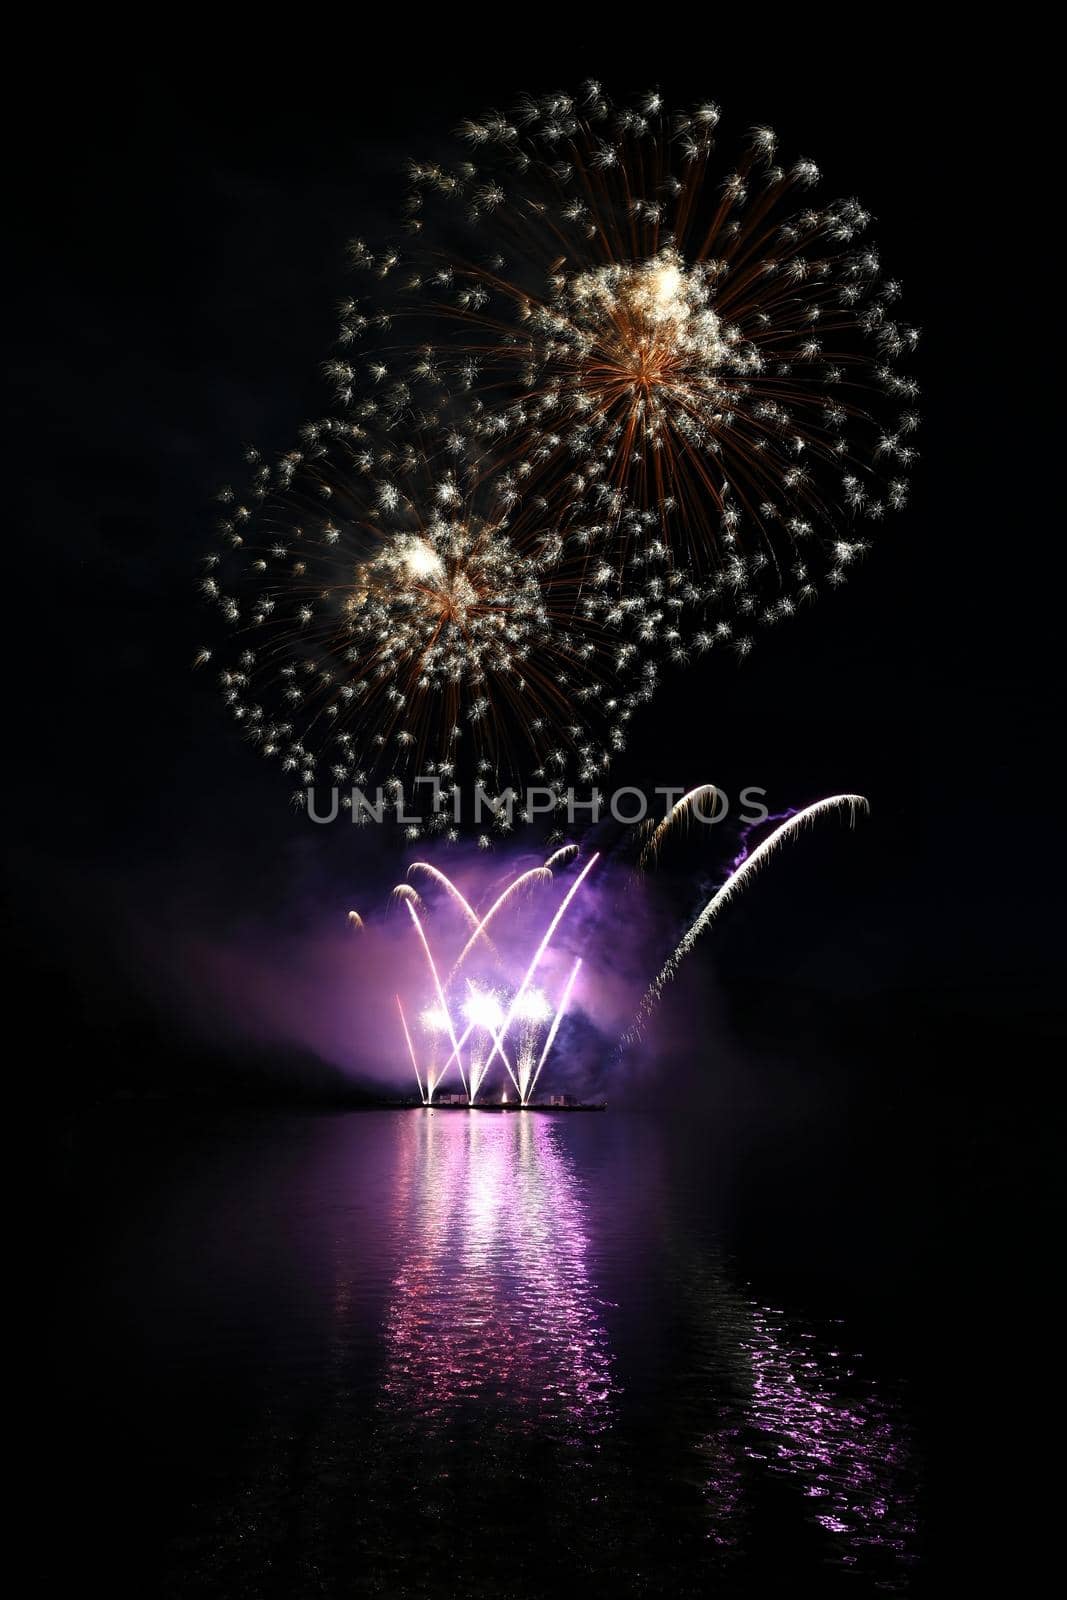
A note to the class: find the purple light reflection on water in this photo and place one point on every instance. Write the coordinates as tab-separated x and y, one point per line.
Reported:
836	1437
809	1417
442	1353
495	1324
493	1309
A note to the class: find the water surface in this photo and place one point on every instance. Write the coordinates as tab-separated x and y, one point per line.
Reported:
404	1353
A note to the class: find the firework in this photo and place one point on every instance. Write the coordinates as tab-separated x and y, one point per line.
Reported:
498	1009
517	886
441	1001
617	401
551	1038
623	316
411	1047
851	804
404	892
680	813
393	617
493	1008
539	953
437	876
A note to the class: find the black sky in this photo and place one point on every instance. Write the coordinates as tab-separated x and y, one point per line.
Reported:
184	227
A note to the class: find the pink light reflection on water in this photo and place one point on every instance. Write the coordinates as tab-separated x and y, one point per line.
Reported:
844	1446
492	1309
810	1416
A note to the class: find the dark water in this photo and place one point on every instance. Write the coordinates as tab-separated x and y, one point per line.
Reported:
396	1353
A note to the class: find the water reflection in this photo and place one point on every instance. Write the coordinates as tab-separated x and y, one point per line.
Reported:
451	1353
481	1471
497	1355
789	1405
492	1305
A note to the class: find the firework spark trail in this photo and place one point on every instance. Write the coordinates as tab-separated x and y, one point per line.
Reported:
464	1036
446	883
411	1050
746	833
733	886
461	900
566	852
355	921
543	946
458	1047
498	1048
440	995
556	1020
535	875
409	896
482	1009
686	807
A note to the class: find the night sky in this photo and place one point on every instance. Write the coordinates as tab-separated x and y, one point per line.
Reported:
183	228
185	235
